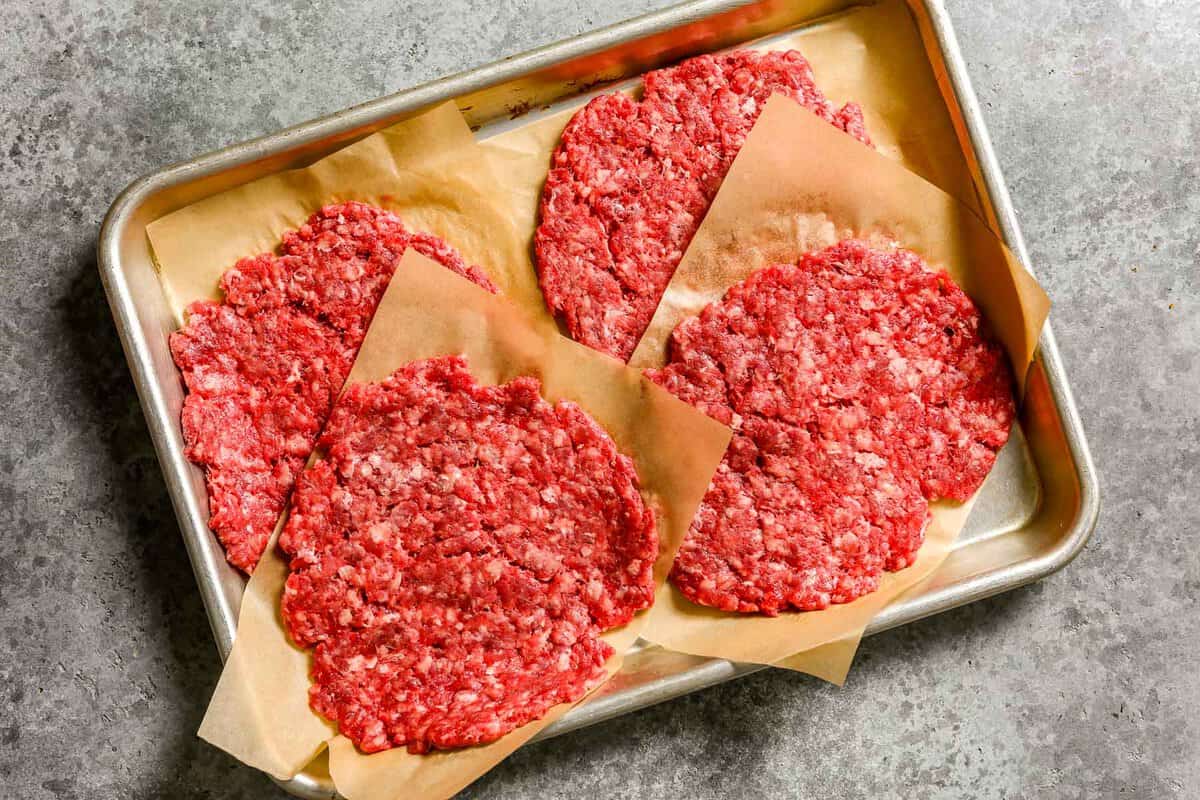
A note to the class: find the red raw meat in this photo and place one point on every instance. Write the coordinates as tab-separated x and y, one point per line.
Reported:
860	385
263	366
456	555
631	181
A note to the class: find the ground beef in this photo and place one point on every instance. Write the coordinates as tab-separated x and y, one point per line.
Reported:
631	181
859	385
455	556
263	366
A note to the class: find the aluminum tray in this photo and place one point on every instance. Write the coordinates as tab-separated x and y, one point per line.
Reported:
1038	507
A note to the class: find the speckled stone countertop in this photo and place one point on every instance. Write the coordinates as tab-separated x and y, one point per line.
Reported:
1083	685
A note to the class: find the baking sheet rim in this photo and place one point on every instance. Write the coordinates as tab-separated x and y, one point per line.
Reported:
353	123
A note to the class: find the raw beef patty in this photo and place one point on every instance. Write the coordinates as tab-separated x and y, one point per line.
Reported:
456	556
631	181
860	386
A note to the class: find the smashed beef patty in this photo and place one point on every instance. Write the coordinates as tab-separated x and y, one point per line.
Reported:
456	556
860	386
263	366
631	181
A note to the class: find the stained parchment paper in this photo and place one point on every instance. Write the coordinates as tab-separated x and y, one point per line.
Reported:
780	201
260	711
428	169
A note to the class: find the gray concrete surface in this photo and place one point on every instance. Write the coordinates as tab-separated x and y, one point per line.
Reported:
1084	685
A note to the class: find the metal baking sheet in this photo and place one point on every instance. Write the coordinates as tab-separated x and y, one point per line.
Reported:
1038	508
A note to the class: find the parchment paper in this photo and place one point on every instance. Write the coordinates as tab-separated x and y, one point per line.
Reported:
428	169
260	712
778	202
872	55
